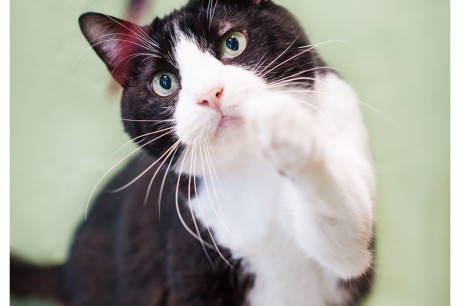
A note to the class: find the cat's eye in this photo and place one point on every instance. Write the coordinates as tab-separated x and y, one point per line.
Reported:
164	83
232	45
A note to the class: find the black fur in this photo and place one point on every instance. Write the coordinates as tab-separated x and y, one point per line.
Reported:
28	280
125	253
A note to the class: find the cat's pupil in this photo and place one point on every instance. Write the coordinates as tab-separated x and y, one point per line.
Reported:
232	43
165	82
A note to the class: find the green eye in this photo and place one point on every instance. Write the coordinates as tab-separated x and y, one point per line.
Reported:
164	83
232	45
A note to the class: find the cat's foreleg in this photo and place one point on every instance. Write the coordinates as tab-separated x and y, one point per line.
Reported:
331	184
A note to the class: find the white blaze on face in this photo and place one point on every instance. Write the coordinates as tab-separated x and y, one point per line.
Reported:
201	74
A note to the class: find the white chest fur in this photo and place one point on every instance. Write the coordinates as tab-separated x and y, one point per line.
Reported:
297	240
246	215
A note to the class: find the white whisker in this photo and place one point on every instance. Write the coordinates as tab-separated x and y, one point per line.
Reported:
383	115
217	214
201	212
174	146
207	149
159	121
127	41
302	72
284	62
289	81
132	56
327	42
282	53
143	172
108	171
177	203
192	158
163	182
143	138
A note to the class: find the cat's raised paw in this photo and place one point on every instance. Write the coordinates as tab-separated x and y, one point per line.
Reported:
284	137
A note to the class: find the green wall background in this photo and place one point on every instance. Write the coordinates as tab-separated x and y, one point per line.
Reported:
65	127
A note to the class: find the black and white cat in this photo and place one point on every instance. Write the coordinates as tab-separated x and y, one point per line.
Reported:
258	185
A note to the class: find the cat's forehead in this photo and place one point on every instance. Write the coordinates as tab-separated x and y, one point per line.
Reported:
203	19
201	24
271	33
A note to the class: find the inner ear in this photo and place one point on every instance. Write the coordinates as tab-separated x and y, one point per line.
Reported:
114	40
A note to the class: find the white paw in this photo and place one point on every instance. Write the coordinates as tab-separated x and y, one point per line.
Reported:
282	133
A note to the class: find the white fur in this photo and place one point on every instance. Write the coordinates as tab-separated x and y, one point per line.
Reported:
293	186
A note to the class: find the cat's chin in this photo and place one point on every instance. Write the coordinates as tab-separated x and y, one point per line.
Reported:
228	148
229	126
227	120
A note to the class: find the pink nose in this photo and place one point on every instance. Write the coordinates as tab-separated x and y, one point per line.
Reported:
211	98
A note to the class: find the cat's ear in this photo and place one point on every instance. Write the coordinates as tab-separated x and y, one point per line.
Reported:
113	40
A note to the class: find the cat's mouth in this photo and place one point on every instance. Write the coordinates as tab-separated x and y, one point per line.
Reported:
228	120
228	117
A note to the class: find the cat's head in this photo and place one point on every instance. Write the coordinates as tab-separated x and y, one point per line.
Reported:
186	76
